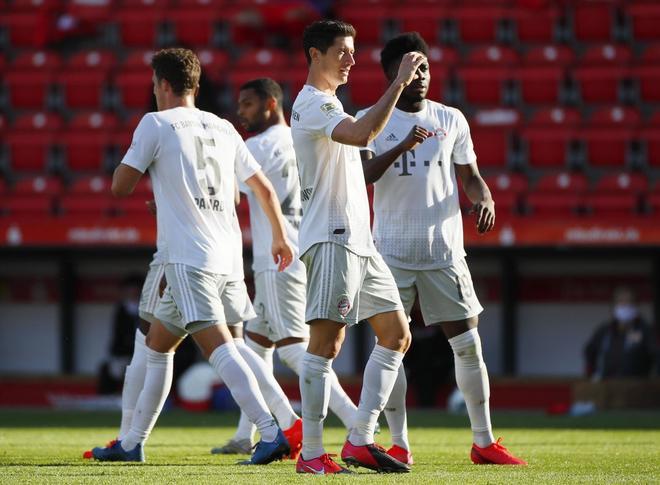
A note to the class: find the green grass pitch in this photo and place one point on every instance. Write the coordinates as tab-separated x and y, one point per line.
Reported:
46	447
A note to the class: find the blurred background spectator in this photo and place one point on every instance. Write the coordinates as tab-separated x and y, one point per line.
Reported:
623	346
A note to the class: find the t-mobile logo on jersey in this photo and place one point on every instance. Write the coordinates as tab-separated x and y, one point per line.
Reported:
408	161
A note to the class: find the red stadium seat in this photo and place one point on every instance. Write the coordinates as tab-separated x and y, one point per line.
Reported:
593	20
566	117
600	84
366	85
138	27
645	18
648	78
483	85
555	55
558	194
420	18
87	141
607	54
492	55
30	141
612	204
622	182
608	134
135	89
491	132
214	64
547	146
91	185
27	29
508	182
38	185
368	21
135	205
535	24
650	136
94	205
194	27
27	206
29	78
85	77
257	63
478	23
540	84
145	4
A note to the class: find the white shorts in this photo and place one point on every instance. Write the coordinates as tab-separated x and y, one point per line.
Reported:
345	287
194	300
151	292
445	295
279	301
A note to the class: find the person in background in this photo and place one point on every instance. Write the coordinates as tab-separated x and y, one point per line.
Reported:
623	346
124	322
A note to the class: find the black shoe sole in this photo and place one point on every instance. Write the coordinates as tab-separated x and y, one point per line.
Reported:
380	469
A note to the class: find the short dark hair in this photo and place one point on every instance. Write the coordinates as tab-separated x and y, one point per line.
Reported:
396	47
180	67
265	88
322	34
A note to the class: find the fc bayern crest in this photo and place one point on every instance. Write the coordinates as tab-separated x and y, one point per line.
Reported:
343	306
440	133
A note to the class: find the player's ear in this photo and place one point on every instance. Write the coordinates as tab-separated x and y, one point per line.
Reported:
196	91
271	103
314	53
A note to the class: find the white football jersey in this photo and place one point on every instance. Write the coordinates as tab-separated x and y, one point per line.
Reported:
237	271
273	150
334	195
417	216
192	156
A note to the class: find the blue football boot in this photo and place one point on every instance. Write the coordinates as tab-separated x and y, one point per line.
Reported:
266	452
117	453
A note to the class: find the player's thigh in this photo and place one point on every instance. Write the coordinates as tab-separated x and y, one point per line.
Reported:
191	301
236	302
379	292
405	280
334	277
151	292
163	339
284	297
447	294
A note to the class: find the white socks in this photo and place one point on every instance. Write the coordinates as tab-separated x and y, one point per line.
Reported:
472	380
395	411
235	372
157	384
133	382
380	374
277	401
315	392
245	429
340	404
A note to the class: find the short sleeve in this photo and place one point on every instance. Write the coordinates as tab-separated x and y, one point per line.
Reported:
246	165
144	147
323	114
463	152
371	146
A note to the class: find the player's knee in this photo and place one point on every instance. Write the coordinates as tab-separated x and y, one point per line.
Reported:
397	341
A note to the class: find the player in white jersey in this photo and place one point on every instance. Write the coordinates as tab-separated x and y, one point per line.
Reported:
347	280
279	296
191	156
418	228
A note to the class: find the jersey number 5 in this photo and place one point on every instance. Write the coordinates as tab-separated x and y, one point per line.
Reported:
211	183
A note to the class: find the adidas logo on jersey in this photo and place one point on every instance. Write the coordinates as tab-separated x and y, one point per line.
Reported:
391	137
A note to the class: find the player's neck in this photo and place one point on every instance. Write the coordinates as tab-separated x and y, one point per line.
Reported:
275	120
320	82
187	101
411	106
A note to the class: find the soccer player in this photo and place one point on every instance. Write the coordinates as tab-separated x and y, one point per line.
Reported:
347	280
192	156
279	296
418	229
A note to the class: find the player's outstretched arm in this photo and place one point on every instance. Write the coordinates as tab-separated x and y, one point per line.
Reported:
267	198
374	166
124	180
361	132
479	194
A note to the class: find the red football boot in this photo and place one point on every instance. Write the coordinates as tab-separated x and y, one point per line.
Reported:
372	456
294	437
494	454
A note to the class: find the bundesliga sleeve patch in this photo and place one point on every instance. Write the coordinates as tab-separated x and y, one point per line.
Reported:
330	109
